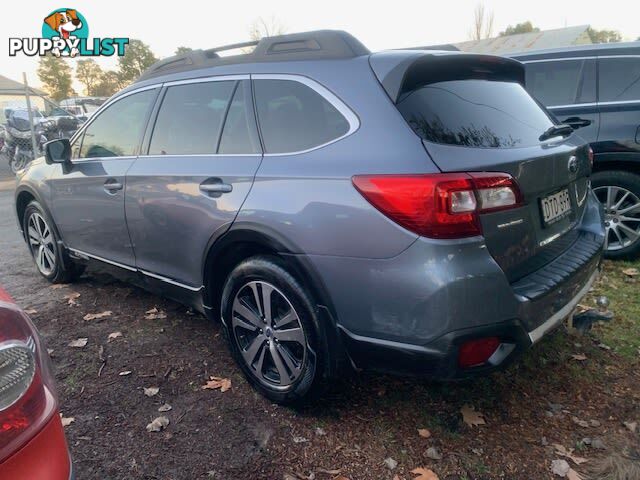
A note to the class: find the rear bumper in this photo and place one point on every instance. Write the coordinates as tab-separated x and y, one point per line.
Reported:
410	314
44	457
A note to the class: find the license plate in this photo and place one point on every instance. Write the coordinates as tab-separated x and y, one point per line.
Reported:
555	207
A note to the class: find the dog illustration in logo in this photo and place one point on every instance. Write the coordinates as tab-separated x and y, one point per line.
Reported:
64	23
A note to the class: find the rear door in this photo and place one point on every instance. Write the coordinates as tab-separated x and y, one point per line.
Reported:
567	87
201	156
88	195
481	121
619	103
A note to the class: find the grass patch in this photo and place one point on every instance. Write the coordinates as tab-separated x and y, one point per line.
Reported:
622	334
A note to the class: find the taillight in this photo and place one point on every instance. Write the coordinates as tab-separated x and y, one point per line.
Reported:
27	397
442	205
476	352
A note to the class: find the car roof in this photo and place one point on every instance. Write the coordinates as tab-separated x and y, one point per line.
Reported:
315	45
601	49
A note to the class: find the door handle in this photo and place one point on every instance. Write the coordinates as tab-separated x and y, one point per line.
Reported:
577	122
111	186
215	189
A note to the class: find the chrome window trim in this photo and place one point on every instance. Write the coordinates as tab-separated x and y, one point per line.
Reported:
351	118
217	78
596	104
81	254
564	59
588	104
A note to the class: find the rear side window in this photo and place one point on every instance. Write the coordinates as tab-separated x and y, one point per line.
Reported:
294	117
562	82
619	79
475	113
190	118
239	135
116	131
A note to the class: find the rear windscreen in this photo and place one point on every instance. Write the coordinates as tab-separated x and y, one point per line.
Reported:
475	113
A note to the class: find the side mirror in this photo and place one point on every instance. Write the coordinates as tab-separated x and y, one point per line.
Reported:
57	151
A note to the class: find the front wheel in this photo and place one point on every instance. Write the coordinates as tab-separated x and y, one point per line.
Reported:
50	260
273	331
619	193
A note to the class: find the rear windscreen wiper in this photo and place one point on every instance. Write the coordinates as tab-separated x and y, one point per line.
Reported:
556	131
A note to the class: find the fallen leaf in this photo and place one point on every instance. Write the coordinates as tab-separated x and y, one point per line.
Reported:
581	423
471	417
113	336
424	474
568	453
335	471
94	316
573	475
424	433
125	373
213	383
390	463
57	286
631	272
71	298
66	421
50	351
300	440
560	468
151	391
433	453
579	357
158	424
164	408
78	343
154	313
632	426
31	311
320	431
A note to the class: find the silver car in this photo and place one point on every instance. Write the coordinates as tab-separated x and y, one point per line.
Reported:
405	211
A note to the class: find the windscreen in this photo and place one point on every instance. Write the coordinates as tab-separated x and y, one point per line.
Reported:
475	113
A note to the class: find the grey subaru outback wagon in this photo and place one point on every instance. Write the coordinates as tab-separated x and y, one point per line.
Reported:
406	211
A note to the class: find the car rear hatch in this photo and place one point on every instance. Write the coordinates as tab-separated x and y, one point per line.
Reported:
474	115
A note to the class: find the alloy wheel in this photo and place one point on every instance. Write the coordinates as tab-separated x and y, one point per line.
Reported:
622	216
269	334
42	243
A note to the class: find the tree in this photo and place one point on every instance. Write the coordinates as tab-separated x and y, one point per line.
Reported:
55	75
604	36
137	58
482	23
89	73
107	85
265	28
182	50
524	27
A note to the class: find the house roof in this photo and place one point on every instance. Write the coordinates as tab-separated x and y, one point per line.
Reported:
521	42
11	87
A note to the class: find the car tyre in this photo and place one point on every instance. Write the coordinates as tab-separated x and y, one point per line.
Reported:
272	326
614	185
52	262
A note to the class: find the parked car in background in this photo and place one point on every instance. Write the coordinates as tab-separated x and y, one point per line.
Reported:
32	441
406	211
596	89
83	107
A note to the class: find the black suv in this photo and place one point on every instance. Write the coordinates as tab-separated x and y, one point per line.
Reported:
596	88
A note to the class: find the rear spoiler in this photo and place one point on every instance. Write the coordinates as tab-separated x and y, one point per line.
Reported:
402	71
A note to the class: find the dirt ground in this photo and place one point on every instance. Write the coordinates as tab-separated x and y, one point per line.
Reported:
549	397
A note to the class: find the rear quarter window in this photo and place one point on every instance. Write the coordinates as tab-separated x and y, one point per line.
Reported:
475	113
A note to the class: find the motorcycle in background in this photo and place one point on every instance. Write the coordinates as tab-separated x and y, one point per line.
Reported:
17	144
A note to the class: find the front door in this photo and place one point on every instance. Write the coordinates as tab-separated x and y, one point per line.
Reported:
88	194
201	157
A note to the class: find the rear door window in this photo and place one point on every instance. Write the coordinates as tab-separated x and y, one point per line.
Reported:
117	130
239	135
294	117
475	113
190	118
619	79
562	82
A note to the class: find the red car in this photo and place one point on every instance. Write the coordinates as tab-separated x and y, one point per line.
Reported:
32	442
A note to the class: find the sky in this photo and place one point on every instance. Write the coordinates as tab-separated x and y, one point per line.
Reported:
206	24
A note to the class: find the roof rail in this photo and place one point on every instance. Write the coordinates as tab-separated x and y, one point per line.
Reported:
316	45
